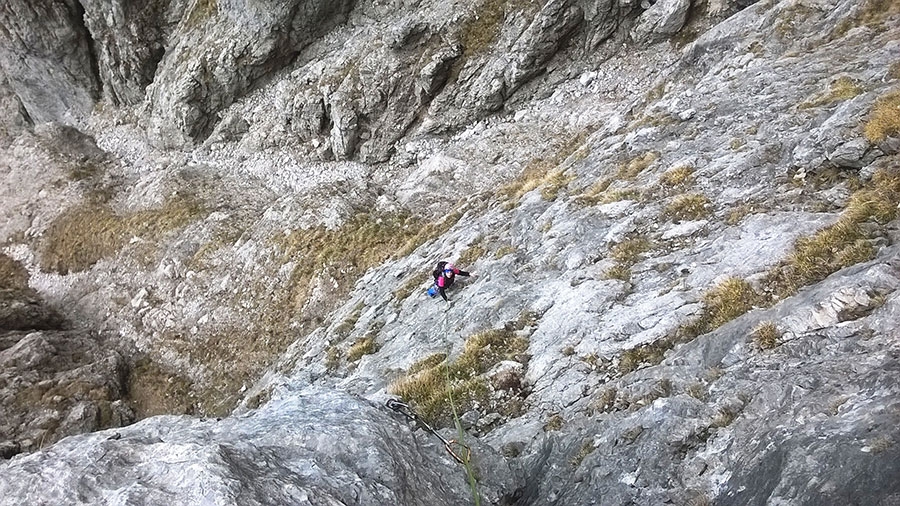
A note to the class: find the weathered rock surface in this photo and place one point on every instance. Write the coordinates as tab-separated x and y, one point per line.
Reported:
53	383
309	447
47	59
604	189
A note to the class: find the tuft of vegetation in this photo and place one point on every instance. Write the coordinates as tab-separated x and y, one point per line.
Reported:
873	14
649	353
677	176
472	253
548	171
636	165
687	207
429	362
618	271
591	196
629	251
83	235
583	451
842	244
728	300
155	390
843	88
429	388
333	356
555	422
553	183
13	275
884	118
504	250
363	346
766	335
201	11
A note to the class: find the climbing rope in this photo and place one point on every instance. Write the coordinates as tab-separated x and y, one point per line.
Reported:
457	450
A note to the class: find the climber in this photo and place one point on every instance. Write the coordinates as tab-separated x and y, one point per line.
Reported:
444	276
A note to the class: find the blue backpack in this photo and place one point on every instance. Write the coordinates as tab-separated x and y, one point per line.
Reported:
432	291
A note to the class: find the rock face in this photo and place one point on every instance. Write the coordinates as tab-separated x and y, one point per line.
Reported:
47	59
54	383
314	447
221	50
681	219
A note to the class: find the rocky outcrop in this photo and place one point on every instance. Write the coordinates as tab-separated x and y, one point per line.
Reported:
129	40
683	253
46	54
220	50
53	383
311	447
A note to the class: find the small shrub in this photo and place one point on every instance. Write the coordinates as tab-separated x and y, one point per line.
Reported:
884	118
766	335
693	206
725	416
568	351
363	346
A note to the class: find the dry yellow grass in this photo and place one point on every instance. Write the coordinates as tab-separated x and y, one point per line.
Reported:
766	335
430	383
636	165
728	300
677	176
843	88
363	346
85	234
884	118
691	206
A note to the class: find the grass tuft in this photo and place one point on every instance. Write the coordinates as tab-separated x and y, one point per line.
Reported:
766	335
693	206
363	346
429	385
843	88
636	165
884	118
677	176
